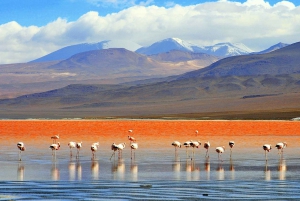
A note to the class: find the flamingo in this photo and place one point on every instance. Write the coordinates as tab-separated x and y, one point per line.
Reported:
194	144
206	146
21	147
121	146
267	148
187	144
94	148
231	144
134	147
71	146
54	147
131	139
220	150
114	147
176	144
196	131
281	146
78	146
54	138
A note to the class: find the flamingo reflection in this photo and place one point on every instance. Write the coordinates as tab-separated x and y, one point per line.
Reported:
267	172
21	171
134	171
207	168
192	170
55	175
72	171
79	171
95	169
231	168
221	171
282	169
176	167
118	169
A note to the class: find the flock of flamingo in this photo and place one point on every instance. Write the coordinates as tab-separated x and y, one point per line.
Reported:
94	147
134	145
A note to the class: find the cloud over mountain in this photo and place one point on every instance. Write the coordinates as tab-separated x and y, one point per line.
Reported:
204	24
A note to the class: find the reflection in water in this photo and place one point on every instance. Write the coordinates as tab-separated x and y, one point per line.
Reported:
192	170
176	168
54	172
21	170
79	170
207	168
118	169
134	171
221	172
267	172
282	169
73	168
72	171
231	168
95	169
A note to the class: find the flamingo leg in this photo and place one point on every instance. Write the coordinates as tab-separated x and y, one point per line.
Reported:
266	155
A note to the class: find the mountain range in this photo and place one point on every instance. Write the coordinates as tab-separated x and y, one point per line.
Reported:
163	46
248	86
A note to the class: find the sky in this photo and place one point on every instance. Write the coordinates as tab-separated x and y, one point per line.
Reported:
30	29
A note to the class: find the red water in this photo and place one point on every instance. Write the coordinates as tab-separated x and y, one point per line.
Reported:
151	133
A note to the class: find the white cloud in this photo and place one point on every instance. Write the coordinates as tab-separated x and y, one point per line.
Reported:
255	23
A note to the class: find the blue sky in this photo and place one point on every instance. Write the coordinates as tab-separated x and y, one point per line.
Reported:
30	29
41	12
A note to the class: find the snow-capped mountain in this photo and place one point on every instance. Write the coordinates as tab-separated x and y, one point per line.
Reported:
220	49
227	49
166	45
273	48
67	52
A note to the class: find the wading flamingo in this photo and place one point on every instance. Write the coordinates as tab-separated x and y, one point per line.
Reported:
194	144
131	139
206	146
114	147
78	146
231	144
71	146
133	147
267	148
280	146
94	148
54	138
21	148
121	146
220	150
176	144
187	144
196	131
54	147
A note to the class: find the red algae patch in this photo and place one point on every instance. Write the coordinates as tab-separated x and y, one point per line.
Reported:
151	133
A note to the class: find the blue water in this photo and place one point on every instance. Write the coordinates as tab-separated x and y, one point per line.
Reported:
151	175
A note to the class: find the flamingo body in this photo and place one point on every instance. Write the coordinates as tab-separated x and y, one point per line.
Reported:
176	144
206	146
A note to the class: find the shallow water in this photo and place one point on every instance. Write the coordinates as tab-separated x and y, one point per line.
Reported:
156	172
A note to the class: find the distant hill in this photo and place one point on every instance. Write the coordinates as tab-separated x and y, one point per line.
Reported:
272	48
119	62
283	61
67	52
105	66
